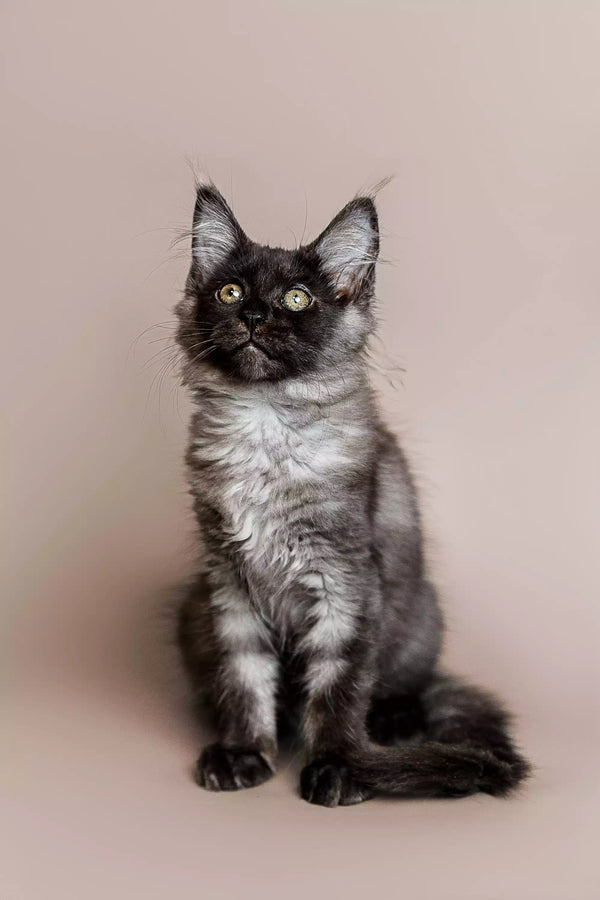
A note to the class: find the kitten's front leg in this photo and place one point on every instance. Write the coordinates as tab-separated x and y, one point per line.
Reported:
338	680
244	693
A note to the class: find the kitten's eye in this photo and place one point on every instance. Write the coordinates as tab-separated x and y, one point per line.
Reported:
296	299
230	293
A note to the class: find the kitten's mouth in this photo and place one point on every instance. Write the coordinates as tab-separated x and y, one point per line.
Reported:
251	343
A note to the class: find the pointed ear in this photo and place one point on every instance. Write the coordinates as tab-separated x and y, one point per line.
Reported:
215	230
348	249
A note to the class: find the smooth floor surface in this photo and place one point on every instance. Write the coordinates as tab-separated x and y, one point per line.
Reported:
488	114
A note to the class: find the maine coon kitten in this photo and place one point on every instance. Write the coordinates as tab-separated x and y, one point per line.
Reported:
314	604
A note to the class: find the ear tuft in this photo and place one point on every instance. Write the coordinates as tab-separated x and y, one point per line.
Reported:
348	249
215	230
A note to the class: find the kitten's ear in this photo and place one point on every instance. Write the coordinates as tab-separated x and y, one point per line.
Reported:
215	230
348	249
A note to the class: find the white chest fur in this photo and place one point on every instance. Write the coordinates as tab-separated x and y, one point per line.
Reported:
267	468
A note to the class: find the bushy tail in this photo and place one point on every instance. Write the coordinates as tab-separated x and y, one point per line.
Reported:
466	748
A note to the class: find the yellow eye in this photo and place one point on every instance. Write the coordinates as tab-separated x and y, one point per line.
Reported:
230	293
296	299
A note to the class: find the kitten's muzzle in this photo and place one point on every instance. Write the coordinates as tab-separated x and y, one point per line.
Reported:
252	317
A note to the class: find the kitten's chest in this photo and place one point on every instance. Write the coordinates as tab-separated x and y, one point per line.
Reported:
270	474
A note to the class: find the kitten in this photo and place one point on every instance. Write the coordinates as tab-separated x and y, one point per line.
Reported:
314	604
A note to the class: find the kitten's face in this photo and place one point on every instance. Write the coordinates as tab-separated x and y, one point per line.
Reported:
259	313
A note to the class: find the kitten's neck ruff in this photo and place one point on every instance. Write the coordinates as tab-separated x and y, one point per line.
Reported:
320	390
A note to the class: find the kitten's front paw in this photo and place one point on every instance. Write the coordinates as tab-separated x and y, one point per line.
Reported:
329	782
231	768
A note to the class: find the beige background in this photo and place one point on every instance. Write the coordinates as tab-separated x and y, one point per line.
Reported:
488	114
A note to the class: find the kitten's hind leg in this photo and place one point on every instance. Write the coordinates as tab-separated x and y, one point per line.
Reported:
396	718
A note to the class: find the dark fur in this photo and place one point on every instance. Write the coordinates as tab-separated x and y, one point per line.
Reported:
314	602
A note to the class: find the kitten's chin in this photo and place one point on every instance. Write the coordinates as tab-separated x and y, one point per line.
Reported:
247	363
253	363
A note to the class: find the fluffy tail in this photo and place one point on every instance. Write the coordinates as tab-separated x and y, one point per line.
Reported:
466	748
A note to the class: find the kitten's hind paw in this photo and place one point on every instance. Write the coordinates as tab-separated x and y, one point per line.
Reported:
231	768
396	718
329	782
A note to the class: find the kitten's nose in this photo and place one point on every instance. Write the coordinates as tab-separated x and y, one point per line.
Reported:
253	317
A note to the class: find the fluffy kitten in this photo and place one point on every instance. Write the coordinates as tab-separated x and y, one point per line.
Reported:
314	605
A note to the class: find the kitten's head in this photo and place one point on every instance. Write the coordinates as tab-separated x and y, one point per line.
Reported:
259	313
